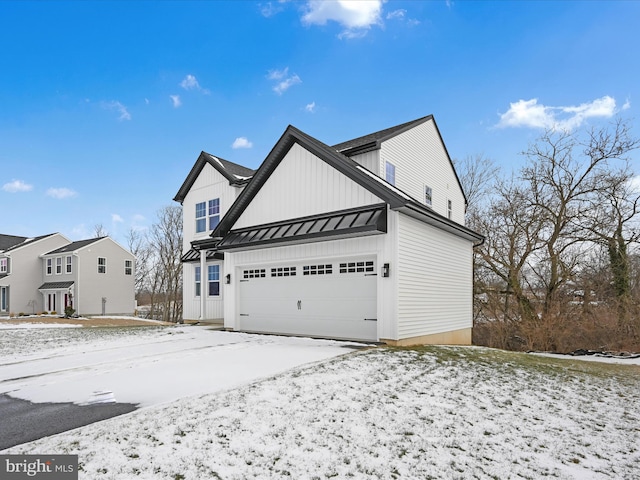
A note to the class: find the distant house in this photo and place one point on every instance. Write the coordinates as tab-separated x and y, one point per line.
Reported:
362	240
49	273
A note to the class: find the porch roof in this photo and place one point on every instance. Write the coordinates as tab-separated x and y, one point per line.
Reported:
55	285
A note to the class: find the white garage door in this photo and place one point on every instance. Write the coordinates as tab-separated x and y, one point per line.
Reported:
328	299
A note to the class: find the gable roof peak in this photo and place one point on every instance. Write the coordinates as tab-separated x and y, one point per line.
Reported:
373	140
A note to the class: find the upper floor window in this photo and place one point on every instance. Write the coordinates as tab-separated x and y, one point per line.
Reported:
390	173
49	266
4	265
128	267
449	209
428	196
207	213
68	270
214	280
102	265
58	265
197	281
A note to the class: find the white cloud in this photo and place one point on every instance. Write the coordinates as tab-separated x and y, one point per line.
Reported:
61	193
627	105
175	99
283	80
530	113
241	142
269	9
400	13
17	186
116	218
357	16
311	107
120	108
191	83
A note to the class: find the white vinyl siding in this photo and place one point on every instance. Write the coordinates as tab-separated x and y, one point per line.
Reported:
303	185
369	160
421	159
434	280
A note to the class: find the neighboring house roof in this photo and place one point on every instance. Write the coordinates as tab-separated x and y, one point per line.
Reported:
11	242
73	246
55	285
234	173
395	198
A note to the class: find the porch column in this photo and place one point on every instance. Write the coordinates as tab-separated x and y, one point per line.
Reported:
203	273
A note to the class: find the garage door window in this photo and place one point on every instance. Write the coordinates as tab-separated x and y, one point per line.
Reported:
214	280
317	269
257	273
283	272
357	267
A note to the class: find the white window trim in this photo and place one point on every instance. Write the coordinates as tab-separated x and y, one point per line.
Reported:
48	266
212	281
130	267
59	264
388	164
197	282
428	189
102	265
68	264
4	265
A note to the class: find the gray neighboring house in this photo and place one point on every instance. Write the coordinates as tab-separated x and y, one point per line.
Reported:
49	273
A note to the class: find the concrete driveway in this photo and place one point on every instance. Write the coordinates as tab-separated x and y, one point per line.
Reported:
134	372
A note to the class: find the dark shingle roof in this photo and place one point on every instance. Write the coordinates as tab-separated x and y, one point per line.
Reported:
74	246
372	141
8	241
234	173
11	242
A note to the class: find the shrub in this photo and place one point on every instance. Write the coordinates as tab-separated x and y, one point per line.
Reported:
68	311
21	314
53	312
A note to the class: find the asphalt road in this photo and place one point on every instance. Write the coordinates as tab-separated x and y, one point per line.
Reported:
22	421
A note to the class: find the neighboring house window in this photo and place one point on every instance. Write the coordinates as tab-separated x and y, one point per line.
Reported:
201	217
207	212
428	196
214	213
214	280
58	265
128	267
4	301
390	173
102	265
69	269
197	281
449	209
3	265
49	266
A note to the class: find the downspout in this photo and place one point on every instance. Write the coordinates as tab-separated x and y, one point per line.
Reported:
77	284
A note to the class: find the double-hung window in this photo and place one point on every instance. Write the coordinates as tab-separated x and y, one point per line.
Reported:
58	265
207	213
428	196
197	280
69	265
449	209
49	266
102	265
390	173
214	280
128	267
4	265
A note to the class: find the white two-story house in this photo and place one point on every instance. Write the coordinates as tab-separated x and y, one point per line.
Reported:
362	240
50	273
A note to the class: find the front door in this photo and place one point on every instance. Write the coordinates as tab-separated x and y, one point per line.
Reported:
51	302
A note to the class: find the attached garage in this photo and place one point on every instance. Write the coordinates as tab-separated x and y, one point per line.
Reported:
329	298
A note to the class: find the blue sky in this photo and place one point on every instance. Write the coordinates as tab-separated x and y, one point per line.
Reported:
105	106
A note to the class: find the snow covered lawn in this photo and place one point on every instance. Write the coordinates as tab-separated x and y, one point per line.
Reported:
439	413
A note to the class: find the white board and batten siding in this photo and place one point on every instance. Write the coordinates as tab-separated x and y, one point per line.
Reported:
214	306
421	160
435	293
303	185
210	184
